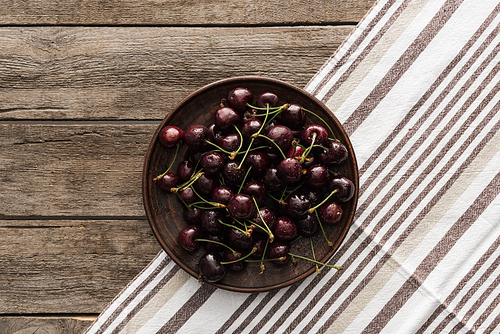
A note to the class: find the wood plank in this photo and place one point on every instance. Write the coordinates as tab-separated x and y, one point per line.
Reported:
73	170
132	73
69	266
178	12
53	325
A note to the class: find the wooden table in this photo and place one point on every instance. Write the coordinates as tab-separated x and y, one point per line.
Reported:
83	86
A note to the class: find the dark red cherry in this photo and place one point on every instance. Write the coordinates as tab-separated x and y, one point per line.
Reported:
272	181
238	239
229	256
314	195
225	119
232	174
210	221
171	135
314	129
206	184
289	170
241	206
215	133
295	152
330	212
188	195
294	116
222	194
282	136
210	267
196	137
336	153
256	190
230	142
270	125
273	154
269	219
285	228
267	98
193	216
345	188
250	127
185	170
187	238
167	182
297	204
212	162
259	162
307	225
238	98
317	176
278	249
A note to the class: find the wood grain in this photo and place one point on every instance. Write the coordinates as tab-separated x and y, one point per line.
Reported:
72	170
137	73
179	12
72	232
43	325
69	266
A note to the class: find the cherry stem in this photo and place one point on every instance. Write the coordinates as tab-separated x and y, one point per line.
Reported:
188	183
264	109
183	202
214	204
269	139
314	255
241	258
221	179
333	173
197	205
283	195
159	177
282	258
323	230
218	147
219	243
262	228
314	261
271	235
262	267
296	188
246	153
254	149
324	122
265	117
255	135
244	179
233	155
275	110
283	107
237	228
308	150
274	198
323	202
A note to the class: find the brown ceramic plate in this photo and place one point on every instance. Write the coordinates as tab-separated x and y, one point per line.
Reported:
164	211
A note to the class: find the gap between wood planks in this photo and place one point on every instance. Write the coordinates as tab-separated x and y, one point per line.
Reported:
75	316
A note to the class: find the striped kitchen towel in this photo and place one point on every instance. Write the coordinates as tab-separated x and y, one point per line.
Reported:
416	88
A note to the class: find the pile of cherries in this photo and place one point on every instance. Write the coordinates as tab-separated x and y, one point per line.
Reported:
255	181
